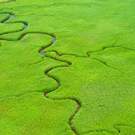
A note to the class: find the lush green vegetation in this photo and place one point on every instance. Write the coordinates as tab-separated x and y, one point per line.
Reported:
67	67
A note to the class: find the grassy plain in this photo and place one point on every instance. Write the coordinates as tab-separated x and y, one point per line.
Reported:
67	67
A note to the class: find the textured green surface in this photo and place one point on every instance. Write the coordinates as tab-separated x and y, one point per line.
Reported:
67	67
